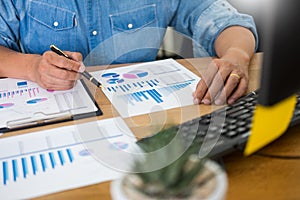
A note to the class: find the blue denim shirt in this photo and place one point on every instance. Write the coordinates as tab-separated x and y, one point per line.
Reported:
114	31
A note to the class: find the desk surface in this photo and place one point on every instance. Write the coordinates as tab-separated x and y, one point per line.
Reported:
250	177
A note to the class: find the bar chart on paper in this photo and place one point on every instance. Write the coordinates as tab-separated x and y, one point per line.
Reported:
21	99
35	168
137	89
16	168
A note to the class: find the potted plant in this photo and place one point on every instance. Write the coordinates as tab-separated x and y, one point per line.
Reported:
183	175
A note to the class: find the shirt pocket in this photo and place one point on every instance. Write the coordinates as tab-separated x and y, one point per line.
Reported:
47	24
52	17
136	35
134	20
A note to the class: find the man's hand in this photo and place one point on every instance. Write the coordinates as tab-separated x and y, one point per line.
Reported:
55	72
222	82
226	79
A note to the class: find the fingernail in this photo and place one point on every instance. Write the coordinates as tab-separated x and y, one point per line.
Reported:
205	101
82	67
196	101
231	101
218	102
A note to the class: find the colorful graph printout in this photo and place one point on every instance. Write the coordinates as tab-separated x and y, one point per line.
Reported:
29	168
21	100
148	87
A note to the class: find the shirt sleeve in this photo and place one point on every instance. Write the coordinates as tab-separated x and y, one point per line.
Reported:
205	22
9	25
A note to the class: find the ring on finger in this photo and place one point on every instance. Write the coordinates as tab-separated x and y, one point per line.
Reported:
235	75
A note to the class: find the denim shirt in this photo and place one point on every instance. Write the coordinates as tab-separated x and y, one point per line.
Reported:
114	31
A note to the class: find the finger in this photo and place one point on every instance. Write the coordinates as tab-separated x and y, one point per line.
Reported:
60	87
205	82
240	91
200	91
77	57
53	83
61	62
231	83
215	88
218	82
58	73
74	55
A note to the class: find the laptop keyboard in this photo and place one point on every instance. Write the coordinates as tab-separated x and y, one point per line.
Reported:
224	130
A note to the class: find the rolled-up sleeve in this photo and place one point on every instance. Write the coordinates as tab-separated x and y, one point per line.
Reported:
206	19
9	25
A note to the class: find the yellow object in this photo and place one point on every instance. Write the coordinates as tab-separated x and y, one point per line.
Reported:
269	122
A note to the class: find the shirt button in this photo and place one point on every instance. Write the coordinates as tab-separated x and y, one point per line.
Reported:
130	25
94	32
55	24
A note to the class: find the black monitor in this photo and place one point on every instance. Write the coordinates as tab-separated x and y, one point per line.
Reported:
280	77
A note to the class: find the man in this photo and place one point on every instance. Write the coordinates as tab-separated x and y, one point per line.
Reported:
122	31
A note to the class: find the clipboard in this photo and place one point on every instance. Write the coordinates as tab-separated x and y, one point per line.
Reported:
24	104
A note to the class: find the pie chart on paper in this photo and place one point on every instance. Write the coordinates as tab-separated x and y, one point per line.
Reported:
135	74
34	101
6	105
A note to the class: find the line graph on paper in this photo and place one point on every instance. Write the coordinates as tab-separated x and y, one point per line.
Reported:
137	89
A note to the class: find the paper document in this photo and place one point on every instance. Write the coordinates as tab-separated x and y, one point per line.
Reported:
23	102
148	87
63	158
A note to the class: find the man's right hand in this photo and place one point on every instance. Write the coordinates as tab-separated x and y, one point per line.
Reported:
55	72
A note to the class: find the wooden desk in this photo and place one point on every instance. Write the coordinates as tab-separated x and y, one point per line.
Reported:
253	177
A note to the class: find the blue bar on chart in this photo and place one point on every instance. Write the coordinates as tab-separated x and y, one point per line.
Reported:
140	84
15	169
20	92
33	164
43	162
125	88
142	96
52	159
136	97
22	83
70	155
150	84
61	157
20	167
155	95
5	172
121	86
25	167
173	88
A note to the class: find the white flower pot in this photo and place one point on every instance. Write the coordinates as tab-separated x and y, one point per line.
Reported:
214	189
